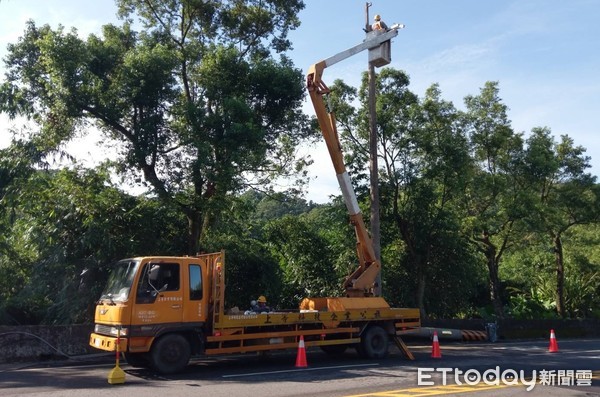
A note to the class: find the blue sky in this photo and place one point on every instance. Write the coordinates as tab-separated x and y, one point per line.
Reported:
544	53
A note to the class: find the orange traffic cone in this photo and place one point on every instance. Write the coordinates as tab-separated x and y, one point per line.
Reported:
553	348
435	348
301	356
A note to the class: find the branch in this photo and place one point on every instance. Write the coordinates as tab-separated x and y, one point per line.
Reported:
110	122
147	169
169	150
505	240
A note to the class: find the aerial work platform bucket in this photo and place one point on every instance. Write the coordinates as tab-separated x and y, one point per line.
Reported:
382	54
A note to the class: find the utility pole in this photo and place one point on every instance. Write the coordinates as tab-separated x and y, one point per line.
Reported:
373	164
367	20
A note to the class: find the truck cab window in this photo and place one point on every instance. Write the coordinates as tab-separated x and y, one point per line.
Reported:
195	282
157	277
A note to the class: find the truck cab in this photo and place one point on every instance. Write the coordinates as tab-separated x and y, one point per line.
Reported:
147	298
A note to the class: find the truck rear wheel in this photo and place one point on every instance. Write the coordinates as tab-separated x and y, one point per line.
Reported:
374	343
170	354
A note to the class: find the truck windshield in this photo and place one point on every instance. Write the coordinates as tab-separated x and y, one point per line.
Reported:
120	280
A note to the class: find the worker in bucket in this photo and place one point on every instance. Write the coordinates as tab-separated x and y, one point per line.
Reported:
261	306
378	24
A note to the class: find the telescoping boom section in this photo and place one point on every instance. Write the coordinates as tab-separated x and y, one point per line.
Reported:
362	281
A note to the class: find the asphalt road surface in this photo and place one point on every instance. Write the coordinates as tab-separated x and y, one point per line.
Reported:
474	369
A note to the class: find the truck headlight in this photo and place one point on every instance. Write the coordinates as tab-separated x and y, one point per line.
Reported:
121	332
109	330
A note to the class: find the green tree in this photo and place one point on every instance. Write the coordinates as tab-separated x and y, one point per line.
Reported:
567	195
429	179
251	269
425	162
273	206
17	164
304	257
70	225
498	196
195	102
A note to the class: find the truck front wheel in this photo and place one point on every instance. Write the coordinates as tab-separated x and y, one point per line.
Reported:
138	360
374	343
170	354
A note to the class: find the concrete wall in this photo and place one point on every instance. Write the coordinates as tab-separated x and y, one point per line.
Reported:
511	329
26	343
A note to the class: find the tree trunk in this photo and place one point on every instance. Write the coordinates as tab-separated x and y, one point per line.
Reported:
490	251
560	276
195	224
494	284
421	281
414	259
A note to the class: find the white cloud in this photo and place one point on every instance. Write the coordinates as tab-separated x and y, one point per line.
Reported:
465	56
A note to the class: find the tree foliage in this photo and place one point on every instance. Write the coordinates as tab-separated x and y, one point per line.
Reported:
496	197
195	101
451	177
64	229
566	195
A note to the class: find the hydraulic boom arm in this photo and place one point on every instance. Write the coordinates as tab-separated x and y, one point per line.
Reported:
361	281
